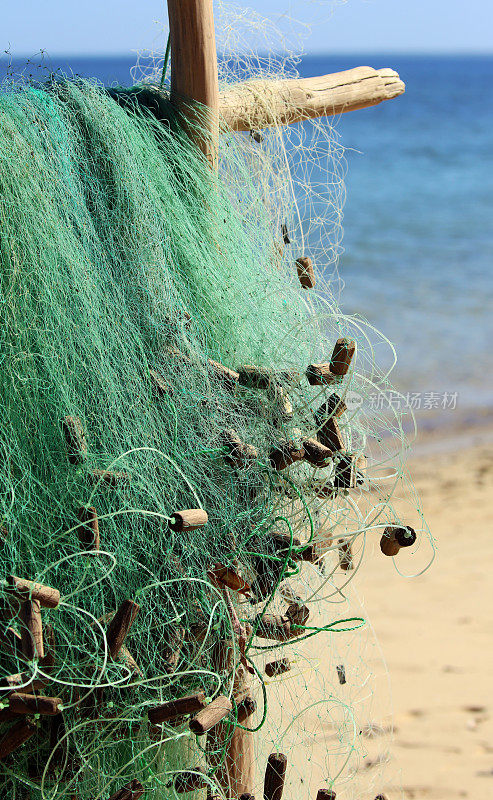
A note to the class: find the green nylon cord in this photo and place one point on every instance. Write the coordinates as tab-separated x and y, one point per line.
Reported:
126	268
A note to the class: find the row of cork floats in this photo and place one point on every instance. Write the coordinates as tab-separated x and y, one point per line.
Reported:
205	715
19	703
316	451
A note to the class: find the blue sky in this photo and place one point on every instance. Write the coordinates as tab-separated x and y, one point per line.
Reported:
119	26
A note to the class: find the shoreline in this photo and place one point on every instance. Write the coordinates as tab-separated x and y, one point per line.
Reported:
439	432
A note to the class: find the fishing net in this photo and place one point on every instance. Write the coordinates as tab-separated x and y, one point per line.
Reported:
190	472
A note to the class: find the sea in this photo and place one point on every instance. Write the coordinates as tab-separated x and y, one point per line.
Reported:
417	258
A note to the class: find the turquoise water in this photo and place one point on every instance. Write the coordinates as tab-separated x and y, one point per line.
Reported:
418	218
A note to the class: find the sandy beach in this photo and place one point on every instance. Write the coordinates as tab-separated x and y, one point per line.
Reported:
435	630
415	713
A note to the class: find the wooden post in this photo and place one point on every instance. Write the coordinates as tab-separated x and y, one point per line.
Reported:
258	104
236	773
194	79
194	68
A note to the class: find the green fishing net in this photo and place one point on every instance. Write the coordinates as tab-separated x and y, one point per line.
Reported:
156	344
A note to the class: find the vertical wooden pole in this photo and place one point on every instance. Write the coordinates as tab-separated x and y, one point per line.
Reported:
234	769
194	68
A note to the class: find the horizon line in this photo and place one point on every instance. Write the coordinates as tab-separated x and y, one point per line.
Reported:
328	54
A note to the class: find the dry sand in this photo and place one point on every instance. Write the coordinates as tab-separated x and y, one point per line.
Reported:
436	631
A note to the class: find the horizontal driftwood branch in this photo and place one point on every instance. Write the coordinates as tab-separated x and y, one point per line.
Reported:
260	104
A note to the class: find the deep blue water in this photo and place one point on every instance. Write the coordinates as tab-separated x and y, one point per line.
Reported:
418	218
418	221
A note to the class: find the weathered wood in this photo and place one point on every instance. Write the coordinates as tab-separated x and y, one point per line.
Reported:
260	104
23	679
306	273
189	704
246	707
75	439
88	530
173	649
320	375
316	453
227	376
330	435
127	658
342	356
239	454
274	776
159	385
281	542
345	555
120	625
341	674
31	630
6	715
227	576
273	626
298	614
232	755
286	453
349	472
29	590
209	716
21	703
188	520
110	478
309	553
15	736
58	745
344	472
282	404
194	76
254	377
334	406
278	667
